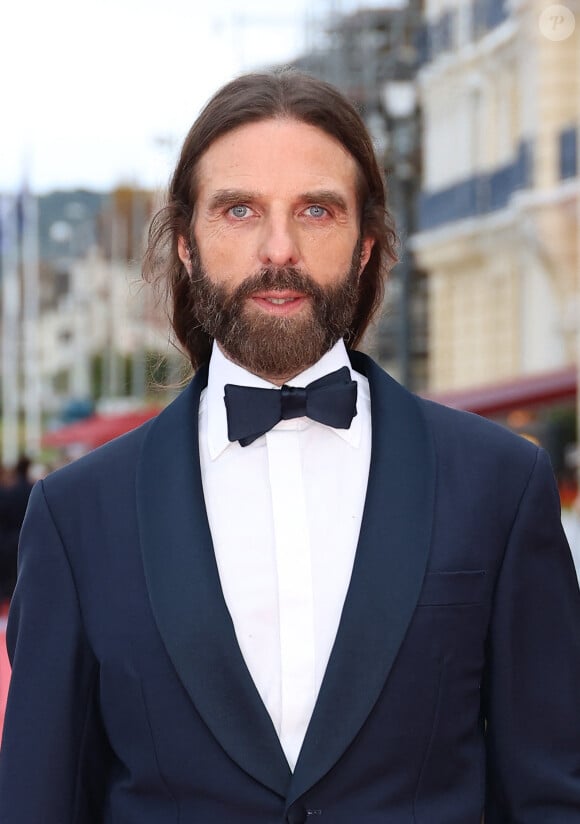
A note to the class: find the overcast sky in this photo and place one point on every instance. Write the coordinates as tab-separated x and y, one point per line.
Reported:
95	93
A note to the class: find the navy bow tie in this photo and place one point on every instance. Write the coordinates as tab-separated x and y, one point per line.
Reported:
252	412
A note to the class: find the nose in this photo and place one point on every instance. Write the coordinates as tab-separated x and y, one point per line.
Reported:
278	242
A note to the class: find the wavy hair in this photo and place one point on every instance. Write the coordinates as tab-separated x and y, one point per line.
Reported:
252	98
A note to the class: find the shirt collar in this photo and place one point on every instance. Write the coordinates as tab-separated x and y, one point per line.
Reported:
223	371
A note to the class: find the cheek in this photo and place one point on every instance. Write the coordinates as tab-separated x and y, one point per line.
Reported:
329	262
224	261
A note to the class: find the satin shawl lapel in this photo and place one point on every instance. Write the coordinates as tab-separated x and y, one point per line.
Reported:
387	576
186	595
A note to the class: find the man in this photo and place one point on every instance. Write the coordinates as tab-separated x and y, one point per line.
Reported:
300	593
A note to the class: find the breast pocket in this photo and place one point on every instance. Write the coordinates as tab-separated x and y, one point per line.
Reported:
454	588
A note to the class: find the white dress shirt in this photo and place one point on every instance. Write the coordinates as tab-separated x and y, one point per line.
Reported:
285	514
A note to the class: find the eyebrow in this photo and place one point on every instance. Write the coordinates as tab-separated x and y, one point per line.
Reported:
229	197
326	197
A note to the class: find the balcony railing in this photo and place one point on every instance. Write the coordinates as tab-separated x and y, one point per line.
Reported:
478	195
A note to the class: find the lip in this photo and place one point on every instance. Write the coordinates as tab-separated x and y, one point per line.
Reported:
294	302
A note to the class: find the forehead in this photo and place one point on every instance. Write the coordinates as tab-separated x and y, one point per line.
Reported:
277	155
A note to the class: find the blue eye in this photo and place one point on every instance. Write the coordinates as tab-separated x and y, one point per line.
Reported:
239	211
316	211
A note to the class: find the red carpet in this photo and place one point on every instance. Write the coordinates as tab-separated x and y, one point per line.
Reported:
4	664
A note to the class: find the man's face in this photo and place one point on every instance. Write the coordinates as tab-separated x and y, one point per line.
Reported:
277	252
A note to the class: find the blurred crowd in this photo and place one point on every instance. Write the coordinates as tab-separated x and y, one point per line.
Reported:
15	486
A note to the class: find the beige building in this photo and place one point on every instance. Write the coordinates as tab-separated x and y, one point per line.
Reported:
107	314
99	330
499	210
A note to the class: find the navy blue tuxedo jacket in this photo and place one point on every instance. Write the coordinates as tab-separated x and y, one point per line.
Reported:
453	686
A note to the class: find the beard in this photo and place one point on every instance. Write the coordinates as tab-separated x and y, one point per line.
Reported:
271	346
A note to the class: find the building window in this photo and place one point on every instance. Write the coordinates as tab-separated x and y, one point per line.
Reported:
568	152
487	14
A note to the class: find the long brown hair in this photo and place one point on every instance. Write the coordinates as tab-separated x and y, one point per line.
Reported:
248	99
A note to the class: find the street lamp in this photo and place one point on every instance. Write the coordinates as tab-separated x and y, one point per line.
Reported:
399	101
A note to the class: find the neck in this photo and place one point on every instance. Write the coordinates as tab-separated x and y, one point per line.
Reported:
278	379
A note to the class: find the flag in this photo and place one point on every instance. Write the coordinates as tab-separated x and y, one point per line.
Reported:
9	357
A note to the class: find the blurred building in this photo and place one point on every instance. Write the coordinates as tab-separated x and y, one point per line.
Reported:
77	327
98	326
498	213
372	56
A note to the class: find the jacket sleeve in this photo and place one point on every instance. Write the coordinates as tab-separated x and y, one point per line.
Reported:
531	694
54	755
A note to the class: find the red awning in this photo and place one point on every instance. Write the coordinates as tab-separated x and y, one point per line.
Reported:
98	429
496	398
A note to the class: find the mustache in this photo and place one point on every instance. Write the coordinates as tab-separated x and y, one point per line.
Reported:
278	278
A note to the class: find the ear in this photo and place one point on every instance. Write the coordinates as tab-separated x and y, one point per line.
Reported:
365	253
183	252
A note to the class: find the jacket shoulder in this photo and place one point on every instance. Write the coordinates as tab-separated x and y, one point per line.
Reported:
459	424
458	436
111	460
116	461
480	452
